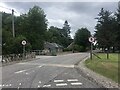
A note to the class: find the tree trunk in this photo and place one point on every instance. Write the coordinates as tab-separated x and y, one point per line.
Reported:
113	50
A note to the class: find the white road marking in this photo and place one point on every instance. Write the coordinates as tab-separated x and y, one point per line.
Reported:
71	80
0	85
38	86
3	85
39	81
39	66
26	73
10	84
78	83
47	85
61	84
20	83
20	71
58	80
27	70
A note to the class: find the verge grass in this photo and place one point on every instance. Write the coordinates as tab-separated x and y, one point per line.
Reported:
104	66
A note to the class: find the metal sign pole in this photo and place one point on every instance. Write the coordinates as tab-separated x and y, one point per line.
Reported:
24	51
91	40
91	51
23	43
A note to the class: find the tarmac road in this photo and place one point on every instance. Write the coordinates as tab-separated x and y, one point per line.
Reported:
46	72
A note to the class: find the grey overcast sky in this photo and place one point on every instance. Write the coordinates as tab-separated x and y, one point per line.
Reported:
78	14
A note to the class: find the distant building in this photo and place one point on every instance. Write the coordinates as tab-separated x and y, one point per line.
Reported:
52	47
49	49
71	45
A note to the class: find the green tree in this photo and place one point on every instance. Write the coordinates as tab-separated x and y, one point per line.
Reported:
81	38
106	29
6	41
17	46
55	35
33	26
118	26
66	29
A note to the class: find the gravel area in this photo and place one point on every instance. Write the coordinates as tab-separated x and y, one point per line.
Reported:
95	77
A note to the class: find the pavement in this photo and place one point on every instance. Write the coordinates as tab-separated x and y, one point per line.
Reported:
47	72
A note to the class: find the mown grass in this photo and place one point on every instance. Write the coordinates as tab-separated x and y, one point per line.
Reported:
104	66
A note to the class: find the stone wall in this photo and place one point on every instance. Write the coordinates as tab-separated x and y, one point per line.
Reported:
17	57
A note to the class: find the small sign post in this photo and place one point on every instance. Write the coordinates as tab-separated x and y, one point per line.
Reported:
24	43
91	40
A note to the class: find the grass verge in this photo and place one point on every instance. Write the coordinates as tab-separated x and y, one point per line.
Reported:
103	66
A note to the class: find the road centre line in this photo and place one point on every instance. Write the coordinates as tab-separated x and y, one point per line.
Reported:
58	80
20	71
61	84
26	69
78	83
71	80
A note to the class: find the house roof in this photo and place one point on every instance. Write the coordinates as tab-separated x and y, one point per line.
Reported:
71	45
52	45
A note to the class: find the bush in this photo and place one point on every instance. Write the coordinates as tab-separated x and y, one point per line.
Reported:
13	45
67	49
79	48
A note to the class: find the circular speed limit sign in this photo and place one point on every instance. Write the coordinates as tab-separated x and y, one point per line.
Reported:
23	42
91	39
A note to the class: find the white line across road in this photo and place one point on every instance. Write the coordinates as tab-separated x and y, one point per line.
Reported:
77	83
61	84
38	86
7	85
71	80
47	85
58	80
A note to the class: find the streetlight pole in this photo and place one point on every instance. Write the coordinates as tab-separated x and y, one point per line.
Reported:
13	28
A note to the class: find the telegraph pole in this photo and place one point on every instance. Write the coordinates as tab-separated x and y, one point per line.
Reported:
13	28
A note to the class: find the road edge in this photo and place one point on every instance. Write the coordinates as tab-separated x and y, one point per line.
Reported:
15	62
104	82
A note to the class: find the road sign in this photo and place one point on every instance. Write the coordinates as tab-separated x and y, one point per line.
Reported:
91	39
23	42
